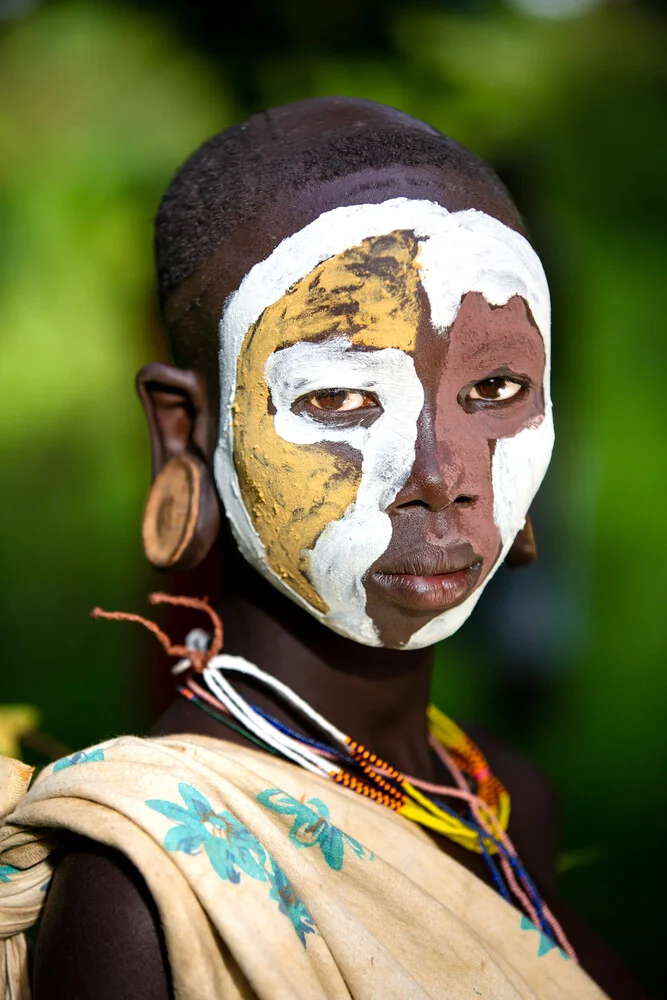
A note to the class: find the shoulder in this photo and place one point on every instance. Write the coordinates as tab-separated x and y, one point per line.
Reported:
100	934
535	831
535	812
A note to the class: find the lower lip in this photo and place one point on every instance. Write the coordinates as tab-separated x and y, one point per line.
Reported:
428	593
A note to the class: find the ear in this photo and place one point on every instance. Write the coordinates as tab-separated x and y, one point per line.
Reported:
524	547
182	514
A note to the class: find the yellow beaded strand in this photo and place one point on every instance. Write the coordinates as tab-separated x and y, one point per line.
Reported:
384	784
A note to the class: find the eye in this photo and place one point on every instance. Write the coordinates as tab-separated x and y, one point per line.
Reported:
341	400
495	390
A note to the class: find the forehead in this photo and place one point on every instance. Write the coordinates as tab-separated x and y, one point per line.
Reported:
451	253
368	294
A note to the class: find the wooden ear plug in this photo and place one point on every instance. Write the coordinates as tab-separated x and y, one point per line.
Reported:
173	515
524	547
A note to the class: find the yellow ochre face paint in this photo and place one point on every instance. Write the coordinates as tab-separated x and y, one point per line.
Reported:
367	295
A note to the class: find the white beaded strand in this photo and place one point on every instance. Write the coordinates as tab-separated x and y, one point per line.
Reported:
242	666
220	687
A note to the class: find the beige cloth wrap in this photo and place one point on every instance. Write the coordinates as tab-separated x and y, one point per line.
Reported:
270	882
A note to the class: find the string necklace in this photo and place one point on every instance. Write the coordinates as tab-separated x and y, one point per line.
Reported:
337	757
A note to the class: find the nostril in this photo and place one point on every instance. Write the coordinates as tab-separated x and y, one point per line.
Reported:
412	503
464	499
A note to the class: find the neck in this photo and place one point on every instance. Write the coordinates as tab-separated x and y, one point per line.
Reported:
377	696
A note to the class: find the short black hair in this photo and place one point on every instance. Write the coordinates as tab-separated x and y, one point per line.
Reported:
237	172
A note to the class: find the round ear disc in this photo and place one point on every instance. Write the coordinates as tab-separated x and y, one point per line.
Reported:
181	517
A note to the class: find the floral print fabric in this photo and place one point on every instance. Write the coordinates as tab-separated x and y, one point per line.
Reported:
231	850
270	883
80	757
311	827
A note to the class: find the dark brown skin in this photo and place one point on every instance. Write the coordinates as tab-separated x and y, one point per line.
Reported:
100	935
443	517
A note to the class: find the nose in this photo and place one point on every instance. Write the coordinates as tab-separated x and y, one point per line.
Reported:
436	478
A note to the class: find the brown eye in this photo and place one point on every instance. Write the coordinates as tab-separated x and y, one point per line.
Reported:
341	400
495	389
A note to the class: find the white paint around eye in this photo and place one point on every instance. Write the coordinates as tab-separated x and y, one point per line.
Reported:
459	252
347	547
473	252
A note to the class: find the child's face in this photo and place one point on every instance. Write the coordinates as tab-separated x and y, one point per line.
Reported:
385	415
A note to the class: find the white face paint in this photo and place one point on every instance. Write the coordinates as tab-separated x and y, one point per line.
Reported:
459	252
346	548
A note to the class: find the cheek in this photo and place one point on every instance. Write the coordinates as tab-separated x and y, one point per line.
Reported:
506	423
519	466
291	492
465	458
477	519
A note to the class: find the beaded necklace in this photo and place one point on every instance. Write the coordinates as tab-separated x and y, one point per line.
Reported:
339	758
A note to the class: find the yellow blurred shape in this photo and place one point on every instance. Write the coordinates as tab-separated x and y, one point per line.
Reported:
15	722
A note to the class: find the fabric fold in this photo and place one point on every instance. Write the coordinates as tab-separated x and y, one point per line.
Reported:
271	882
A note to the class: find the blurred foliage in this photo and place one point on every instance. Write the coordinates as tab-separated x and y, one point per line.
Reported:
98	105
97	108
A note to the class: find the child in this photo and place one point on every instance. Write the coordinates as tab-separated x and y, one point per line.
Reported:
361	330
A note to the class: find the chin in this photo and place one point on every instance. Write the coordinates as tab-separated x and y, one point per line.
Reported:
444	625
410	611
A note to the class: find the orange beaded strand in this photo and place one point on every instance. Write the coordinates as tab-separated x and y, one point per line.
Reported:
363	788
387	793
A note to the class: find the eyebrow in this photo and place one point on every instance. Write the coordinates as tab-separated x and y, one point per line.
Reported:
509	340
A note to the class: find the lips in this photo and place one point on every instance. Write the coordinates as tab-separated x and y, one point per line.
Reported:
428	579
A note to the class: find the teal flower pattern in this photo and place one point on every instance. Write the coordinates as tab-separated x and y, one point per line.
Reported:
289	903
312	827
545	944
232	850
80	757
6	871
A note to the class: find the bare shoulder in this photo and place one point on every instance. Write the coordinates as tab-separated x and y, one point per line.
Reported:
100	936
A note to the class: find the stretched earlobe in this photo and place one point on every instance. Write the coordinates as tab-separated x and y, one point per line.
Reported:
524	548
182	516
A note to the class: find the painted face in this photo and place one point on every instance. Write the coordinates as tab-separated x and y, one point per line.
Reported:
385	416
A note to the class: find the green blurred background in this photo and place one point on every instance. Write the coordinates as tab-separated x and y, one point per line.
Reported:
99	103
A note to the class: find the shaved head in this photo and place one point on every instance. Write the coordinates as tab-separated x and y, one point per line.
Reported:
254	184
357	291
